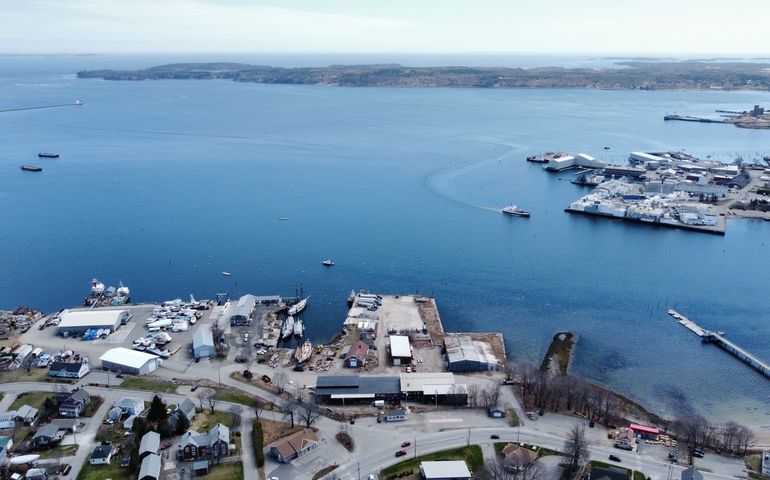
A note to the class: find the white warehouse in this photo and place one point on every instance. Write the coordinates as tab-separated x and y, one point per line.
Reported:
129	361
78	321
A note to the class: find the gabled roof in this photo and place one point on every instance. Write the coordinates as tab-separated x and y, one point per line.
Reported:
65	367
217	433
80	395
296	442
150	466
26	411
359	350
65	423
126	403
49	430
187	406
150	443
518	455
396	412
101	451
203	338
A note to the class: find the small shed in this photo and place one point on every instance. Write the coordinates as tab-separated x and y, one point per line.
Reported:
203	343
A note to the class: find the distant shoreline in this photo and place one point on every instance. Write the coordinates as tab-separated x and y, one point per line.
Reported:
638	75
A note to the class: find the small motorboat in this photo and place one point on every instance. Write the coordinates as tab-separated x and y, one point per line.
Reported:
606	148
515	211
31	168
328	263
226	274
48	155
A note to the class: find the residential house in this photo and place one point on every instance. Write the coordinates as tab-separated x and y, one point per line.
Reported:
516	457
496	412
397	415
294	446
68	425
47	436
8	420
356	357
68	370
27	415
131	405
74	404
213	444
150	469
149	445
186	408
102	455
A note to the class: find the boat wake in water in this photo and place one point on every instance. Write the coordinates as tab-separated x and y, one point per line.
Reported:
438	183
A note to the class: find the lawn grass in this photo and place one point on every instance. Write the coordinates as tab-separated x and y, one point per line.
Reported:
596	463
639	476
541	451
148	385
226	471
275	430
100	472
33	399
204	420
93	406
513	418
59	451
34	375
324	471
472	456
234	396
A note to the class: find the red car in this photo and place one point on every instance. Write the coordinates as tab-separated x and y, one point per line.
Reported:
406	444
401	453
165	445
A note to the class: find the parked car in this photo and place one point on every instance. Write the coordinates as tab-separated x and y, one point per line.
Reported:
614	458
401	453
495	437
266	379
405	444
194	388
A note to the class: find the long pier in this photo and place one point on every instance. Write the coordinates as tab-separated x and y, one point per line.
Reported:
718	338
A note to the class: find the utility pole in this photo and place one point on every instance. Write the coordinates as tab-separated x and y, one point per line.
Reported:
468	443
358	462
415	446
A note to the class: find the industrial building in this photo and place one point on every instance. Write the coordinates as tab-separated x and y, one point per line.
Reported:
352	388
203	343
400	350
241	313
438	388
467	355
356	355
78	321
445	470
129	361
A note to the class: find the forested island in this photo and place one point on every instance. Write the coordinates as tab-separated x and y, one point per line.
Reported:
630	74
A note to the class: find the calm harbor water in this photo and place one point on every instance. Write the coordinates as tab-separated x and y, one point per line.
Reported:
164	185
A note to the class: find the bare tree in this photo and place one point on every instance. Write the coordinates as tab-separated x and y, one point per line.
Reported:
288	408
308	412
235	416
210	397
494	471
473	395
576	446
279	380
259	407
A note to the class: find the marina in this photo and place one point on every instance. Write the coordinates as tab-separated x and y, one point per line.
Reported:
718	338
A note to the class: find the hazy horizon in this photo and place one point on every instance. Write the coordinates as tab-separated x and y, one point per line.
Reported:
557	27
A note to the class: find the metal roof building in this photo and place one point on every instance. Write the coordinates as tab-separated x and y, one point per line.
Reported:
78	321
353	387
203	343
467	355
241	313
150	469
129	361
400	350
445	470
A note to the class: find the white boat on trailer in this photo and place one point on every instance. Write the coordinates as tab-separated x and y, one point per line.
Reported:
288	327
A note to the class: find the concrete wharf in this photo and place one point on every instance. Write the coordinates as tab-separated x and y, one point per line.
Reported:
718	338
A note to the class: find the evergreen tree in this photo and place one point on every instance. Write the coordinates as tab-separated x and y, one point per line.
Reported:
157	413
182	423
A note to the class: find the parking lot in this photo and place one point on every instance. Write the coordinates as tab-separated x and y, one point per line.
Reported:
52	342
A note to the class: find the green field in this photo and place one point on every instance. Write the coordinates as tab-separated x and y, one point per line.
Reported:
205	420
33	399
226	471
234	396
148	385
100	472
60	451
472	456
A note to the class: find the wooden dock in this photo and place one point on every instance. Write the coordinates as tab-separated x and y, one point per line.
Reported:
718	338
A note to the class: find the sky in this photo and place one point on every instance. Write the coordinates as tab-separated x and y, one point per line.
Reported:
728	27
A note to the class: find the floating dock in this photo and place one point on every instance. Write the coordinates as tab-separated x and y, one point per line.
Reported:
689	118
718	338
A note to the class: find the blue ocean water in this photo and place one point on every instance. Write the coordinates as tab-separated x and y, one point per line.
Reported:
164	185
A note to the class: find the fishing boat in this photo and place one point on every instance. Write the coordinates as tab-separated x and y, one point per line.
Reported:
515	211
328	263
48	155
96	293
295	309
31	168
298	327
226	274
288	327
303	352
122	295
